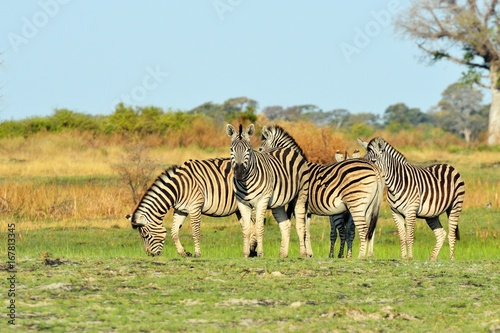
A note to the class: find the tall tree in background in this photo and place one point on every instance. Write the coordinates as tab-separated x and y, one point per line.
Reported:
399	116
466	32
461	111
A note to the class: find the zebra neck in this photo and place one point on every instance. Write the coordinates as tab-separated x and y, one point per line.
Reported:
394	174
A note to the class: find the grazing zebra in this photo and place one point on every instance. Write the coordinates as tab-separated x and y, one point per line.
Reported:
355	185
196	187
343	222
268	180
416	192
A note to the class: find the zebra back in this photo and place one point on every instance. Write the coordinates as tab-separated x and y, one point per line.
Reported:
156	201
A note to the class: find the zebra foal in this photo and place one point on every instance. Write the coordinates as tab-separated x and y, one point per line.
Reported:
416	192
355	185
267	180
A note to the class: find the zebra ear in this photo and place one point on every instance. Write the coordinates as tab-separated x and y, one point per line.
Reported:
264	132
381	146
250	130
230	130
362	143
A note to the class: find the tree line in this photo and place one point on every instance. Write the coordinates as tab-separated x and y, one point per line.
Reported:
460	111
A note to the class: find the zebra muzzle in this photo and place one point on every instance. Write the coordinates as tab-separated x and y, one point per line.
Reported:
239	171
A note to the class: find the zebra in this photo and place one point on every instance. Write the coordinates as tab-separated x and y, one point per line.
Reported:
196	187
268	180
355	185
419	192
343	223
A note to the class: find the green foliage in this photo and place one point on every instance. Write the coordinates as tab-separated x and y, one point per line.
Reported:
399	116
361	130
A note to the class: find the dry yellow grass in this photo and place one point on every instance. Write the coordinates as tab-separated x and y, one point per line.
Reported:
69	178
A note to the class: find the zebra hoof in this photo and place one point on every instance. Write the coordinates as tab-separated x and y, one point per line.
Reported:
189	254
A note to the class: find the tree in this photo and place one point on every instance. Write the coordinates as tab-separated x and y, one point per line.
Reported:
461	111
400	116
466	32
340	117
274	112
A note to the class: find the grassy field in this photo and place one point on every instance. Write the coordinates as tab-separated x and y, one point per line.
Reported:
79	266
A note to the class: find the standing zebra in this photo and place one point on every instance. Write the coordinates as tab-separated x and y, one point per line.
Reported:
415	192
355	185
196	187
343	222
267	180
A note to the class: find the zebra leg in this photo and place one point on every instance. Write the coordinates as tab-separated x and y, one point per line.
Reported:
195	216
253	238
358	217
370	246
285	226
333	234
302	222
179	218
400	224
342	233
350	233
453	234
246	227
260	215
411	219
440	234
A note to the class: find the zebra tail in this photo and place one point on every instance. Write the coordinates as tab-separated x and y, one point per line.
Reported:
375	208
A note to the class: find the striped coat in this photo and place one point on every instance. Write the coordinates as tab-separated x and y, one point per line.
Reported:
267	180
355	185
197	187
416	192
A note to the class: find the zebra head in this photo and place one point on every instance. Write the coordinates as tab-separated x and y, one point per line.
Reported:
375	150
153	238
152	233
276	137
240	149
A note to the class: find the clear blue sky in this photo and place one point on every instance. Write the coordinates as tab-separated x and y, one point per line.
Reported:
88	55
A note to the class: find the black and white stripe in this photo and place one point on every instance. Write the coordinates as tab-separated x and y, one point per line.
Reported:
267	180
343	223
197	187
355	185
416	192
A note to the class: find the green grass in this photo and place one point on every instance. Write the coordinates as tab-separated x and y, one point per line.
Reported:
252	295
76	278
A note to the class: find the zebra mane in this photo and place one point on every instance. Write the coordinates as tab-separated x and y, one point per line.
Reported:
381	145
169	172
240	131
281	138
